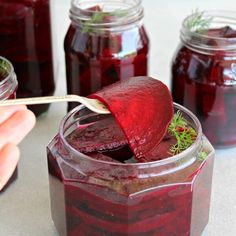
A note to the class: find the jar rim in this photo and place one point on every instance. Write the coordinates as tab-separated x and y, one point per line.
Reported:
162	162
80	15
200	41
75	3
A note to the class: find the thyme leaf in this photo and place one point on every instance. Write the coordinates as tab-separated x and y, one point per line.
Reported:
184	134
198	22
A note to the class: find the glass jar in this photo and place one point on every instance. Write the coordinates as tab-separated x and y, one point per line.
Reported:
8	81
25	39
97	197
105	42
8	87
204	75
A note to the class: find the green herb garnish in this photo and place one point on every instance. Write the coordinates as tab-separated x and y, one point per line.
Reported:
101	17
198	22
96	18
202	156
4	68
184	134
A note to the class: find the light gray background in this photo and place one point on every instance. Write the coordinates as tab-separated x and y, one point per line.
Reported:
24	208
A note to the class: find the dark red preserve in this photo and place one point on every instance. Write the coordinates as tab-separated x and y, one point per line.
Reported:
104	179
204	75
102	191
25	39
126	101
105	42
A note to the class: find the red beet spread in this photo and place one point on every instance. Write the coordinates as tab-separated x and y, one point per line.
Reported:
143	108
104	135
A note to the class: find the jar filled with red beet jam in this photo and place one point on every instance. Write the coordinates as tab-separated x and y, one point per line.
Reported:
25	39
105	42
204	73
8	87
105	193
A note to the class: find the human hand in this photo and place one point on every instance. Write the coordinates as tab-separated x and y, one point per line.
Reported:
15	123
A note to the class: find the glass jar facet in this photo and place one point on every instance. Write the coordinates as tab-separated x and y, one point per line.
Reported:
105	42
25	39
204	76
94	197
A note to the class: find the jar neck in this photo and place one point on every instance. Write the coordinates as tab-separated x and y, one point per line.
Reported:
8	81
213	38
108	15
80	116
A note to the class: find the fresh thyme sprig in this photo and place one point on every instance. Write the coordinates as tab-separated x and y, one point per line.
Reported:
101	17
184	134
198	22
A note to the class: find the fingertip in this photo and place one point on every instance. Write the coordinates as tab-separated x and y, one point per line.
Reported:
14	107
16	127
9	157
7	111
20	107
13	150
29	119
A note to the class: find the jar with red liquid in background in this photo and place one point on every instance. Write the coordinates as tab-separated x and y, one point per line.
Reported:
8	87
105	42
204	73
98	193
25	39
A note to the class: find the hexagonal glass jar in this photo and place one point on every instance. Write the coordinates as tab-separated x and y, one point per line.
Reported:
94	197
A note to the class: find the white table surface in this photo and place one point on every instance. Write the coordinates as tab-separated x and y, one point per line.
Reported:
24	207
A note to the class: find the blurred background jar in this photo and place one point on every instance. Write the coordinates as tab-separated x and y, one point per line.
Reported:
8	81
8	87
25	39
105	42
204	73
